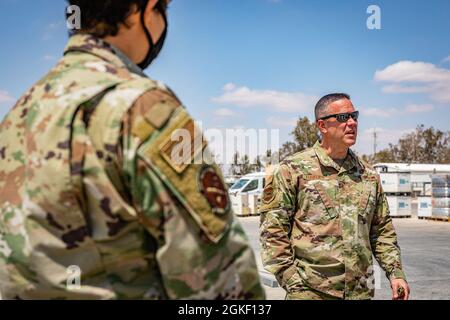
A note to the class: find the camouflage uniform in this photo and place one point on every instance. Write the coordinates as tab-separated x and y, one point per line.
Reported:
320	224
87	179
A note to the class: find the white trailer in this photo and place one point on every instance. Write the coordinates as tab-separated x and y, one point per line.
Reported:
420	173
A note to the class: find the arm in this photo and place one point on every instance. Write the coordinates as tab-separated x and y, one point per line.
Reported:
279	203
202	251
383	239
386	250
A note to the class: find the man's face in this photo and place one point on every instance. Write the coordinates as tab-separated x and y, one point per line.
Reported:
337	133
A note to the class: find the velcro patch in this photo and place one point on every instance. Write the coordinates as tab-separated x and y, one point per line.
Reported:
213	188
368	177
180	154
310	177
200	189
142	129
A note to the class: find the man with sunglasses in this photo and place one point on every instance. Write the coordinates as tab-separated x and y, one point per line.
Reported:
94	202
324	215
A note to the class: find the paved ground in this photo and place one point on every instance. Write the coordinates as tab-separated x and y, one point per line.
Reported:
425	251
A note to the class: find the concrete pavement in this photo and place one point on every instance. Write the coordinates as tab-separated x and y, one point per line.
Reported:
425	249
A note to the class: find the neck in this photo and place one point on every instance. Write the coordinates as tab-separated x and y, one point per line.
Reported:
335	152
125	47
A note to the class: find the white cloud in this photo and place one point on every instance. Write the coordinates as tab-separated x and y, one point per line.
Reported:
5	97
281	122
446	59
224	112
416	77
386	113
278	100
409	71
395	88
49	57
419	108
378	112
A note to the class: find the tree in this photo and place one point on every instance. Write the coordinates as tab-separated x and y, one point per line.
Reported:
305	136
421	146
242	166
287	149
385	156
235	165
258	166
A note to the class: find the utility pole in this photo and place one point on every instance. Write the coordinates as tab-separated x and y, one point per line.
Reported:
374	142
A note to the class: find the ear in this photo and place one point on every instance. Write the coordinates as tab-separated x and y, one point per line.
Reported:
321	126
150	6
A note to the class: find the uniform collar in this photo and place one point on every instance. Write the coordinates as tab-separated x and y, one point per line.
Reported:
326	161
92	45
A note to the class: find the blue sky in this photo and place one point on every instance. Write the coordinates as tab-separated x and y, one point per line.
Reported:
263	63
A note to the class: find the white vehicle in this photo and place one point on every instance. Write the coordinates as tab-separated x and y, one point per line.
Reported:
230	180
252	183
246	193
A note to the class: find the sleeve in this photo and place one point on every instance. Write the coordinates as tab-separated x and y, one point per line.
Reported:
383	239
202	250
279	204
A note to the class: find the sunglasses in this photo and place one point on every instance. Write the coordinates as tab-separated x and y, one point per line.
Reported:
343	117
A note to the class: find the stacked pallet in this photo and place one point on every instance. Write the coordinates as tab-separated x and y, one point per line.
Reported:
440	202
397	188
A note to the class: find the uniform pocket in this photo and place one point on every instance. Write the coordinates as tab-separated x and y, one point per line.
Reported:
366	208
320	205
291	280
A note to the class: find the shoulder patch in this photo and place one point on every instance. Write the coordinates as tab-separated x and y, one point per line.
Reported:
214	190
268	193
183	145
199	188
151	112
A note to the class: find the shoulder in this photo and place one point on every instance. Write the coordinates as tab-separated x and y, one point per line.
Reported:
302	155
302	162
367	170
367	167
155	106
292	167
170	147
138	103
128	114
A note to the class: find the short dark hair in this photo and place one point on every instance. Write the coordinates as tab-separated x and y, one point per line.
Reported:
103	18
322	105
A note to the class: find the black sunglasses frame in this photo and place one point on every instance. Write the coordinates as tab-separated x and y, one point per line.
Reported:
343	117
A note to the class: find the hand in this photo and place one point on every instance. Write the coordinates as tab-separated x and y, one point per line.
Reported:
400	289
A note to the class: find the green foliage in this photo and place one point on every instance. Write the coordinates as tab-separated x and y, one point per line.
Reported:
305	136
424	145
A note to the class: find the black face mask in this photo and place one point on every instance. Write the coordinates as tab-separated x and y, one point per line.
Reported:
155	48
